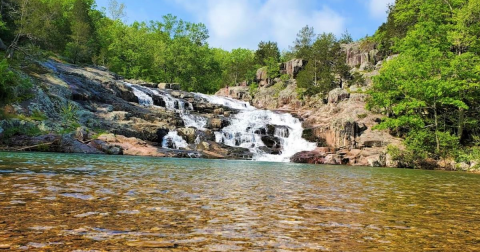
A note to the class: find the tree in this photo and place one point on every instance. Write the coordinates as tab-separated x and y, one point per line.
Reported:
302	45
240	63
430	92
325	63
345	38
78	49
273	69
265	51
116	10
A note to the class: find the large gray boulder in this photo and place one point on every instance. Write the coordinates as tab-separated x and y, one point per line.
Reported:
337	95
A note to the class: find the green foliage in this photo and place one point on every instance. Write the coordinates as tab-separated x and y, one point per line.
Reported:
27	129
345	38
12	86
38	115
285	78
273	68
253	89
266	51
430	92
302	46
325	62
362	116
68	112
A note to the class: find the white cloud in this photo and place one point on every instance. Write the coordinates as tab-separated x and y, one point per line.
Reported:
244	23
378	8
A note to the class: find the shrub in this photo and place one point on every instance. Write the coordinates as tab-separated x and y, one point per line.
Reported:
12	85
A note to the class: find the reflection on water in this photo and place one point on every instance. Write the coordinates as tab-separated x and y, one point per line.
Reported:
80	203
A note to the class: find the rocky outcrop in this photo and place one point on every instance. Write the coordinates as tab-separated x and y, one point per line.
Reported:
261	77
362	55
173	86
337	95
292	67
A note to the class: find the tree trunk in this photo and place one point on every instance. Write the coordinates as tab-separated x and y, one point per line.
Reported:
2	45
461	119
436	126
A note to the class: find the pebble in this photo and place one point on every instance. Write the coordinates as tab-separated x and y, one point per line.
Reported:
5	246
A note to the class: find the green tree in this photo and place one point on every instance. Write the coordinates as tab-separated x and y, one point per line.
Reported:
265	51
78	49
302	46
325	65
430	92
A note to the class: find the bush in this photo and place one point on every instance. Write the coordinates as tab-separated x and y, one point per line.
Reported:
285	78
12	85
253	89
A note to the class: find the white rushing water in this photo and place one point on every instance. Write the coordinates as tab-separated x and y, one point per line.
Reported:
251	128
143	98
245	126
171	103
173	141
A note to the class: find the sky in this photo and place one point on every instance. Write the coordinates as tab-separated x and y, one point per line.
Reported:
244	23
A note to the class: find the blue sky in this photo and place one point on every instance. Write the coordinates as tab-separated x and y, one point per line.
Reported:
244	23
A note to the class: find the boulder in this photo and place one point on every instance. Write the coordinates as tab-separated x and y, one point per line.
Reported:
125	92
261	77
106	148
173	86
161	133
202	146
189	134
81	134
308	157
217	123
337	95
175	94
271	142
69	144
158	101
292	67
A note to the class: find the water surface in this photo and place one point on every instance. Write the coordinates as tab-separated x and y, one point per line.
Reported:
87	202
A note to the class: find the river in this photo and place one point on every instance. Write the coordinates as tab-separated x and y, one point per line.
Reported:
65	202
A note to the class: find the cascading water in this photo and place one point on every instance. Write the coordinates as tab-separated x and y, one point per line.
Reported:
143	98
173	141
270	136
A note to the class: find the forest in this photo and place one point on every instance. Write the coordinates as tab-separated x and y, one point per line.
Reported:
429	93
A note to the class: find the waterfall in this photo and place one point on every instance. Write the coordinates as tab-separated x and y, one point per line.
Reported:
143	98
270	136
181	107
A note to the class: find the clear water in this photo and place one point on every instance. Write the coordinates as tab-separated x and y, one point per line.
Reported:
66	202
